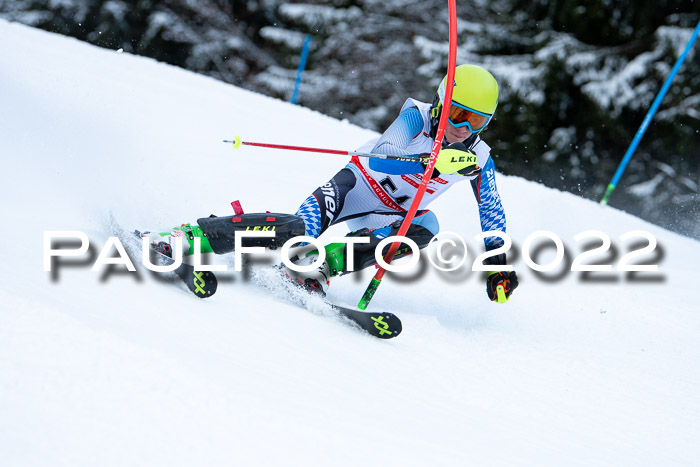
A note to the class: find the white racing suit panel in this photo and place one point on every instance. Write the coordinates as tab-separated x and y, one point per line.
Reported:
373	193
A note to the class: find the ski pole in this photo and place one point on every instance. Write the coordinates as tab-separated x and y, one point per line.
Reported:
300	68
647	120
451	63
424	158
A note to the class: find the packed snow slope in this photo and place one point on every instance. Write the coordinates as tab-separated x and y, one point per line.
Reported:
116	368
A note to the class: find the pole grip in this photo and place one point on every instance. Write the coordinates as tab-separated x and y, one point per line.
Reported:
369	293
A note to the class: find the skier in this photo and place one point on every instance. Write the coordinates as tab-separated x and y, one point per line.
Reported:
373	195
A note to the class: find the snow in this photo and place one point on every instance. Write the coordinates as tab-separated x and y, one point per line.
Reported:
613	92
316	15
678	38
100	368
285	37
617	85
117	9
647	188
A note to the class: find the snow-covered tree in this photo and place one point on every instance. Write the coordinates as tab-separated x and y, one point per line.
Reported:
577	78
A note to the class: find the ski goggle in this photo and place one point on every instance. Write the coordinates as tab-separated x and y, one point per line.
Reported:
464	116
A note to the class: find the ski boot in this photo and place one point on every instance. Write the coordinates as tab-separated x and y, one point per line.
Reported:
202	283
315	281
165	242
318	279
336	263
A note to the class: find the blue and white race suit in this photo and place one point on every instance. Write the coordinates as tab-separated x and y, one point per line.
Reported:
374	193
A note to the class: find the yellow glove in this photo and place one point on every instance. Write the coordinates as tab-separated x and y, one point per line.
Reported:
457	158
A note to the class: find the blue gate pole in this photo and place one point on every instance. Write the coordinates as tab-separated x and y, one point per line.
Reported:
647	120
300	69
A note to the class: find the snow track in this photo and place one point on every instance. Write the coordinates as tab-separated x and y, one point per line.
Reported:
118	369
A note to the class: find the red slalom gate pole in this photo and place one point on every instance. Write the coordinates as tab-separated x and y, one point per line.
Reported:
449	85
424	158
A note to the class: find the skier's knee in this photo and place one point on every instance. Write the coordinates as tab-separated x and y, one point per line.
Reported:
364	252
429	221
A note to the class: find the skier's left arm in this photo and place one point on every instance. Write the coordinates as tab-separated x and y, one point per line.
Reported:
499	284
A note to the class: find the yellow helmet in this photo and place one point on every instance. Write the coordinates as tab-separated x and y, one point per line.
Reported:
475	89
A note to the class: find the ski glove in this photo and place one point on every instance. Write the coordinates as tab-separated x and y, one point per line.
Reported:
457	158
499	285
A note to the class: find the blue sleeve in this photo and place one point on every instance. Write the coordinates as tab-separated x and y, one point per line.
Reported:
394	141
491	211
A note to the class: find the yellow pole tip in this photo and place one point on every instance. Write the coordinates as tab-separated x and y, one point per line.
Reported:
500	294
236	142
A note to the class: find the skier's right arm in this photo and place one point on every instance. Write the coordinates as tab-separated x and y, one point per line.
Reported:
393	142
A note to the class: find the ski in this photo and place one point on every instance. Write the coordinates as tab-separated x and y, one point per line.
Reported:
383	325
380	324
202	284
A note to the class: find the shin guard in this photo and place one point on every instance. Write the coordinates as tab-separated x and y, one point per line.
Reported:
336	253
221	231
